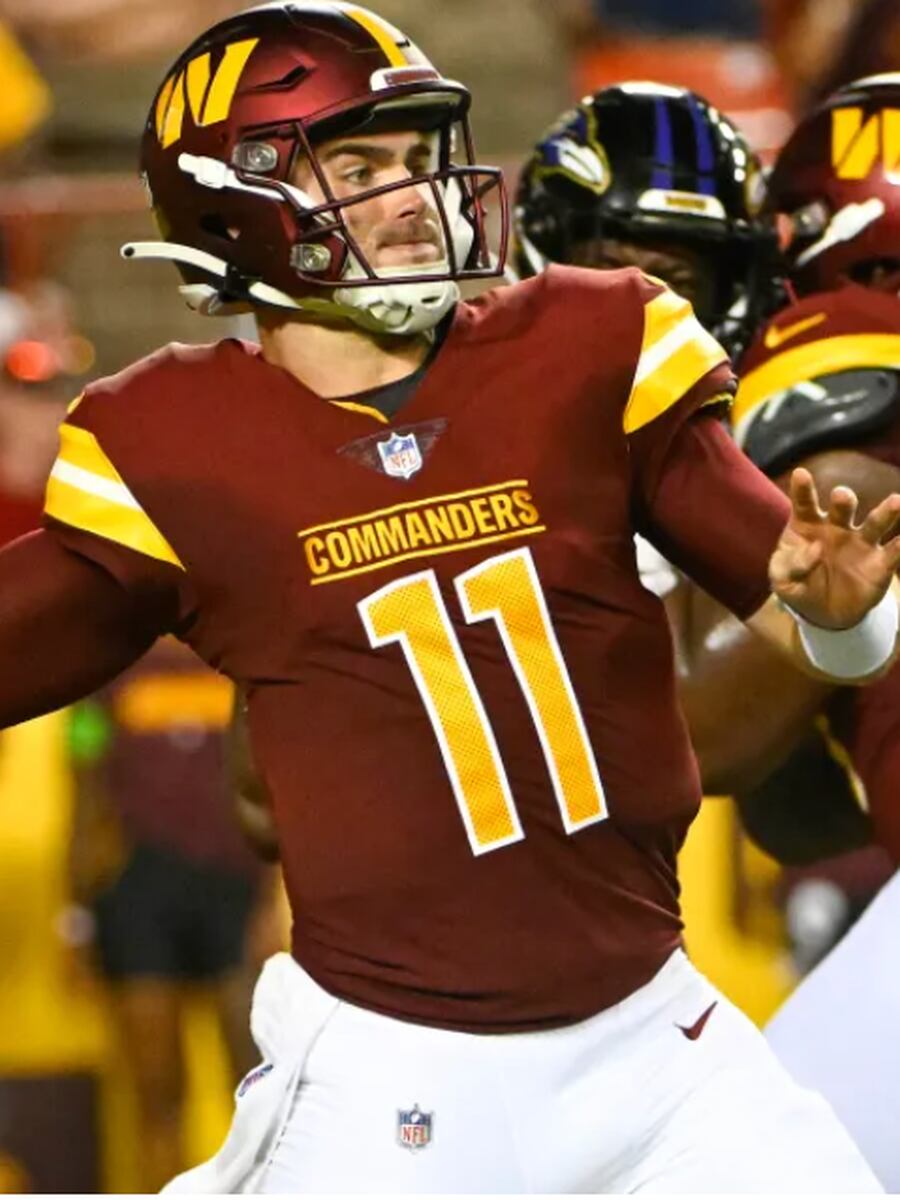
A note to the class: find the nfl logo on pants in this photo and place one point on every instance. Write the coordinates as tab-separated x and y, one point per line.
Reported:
414	1128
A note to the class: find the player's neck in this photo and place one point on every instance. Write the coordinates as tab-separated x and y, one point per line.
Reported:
338	360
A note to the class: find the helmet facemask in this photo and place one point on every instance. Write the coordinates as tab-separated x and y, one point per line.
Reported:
330	256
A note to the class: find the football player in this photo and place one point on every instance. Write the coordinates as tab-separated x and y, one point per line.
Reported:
821	387
815	767
642	174
403	524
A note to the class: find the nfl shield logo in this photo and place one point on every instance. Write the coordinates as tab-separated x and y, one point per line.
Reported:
400	455
414	1128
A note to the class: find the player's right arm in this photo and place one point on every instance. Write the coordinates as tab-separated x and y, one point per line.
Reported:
67	626
85	597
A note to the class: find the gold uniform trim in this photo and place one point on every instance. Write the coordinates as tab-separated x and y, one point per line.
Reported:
365	409
825	356
86	491
676	352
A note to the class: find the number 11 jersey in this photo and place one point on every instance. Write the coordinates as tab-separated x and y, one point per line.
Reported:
461	698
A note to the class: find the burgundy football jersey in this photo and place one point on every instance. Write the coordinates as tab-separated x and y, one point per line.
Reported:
854	328
461	698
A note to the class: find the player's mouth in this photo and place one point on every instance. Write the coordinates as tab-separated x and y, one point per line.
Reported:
415	241
419	251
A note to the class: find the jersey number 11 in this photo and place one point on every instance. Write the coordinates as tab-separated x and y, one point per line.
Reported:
504	589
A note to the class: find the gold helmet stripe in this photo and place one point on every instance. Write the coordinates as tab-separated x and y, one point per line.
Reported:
383	33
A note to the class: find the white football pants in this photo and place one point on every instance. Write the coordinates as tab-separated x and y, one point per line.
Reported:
623	1102
840	1032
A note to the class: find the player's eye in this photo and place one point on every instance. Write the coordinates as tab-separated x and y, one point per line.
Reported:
357	175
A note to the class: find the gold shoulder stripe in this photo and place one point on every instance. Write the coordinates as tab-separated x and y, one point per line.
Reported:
383	33
826	356
676	352
86	491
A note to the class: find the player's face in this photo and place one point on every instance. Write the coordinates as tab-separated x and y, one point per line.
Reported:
399	228
687	271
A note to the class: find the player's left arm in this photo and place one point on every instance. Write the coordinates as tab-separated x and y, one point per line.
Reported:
835	603
718	518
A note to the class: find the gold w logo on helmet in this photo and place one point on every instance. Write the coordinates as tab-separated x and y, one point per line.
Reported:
857	143
208	95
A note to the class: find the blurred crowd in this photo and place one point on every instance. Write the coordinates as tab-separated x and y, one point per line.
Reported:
76	79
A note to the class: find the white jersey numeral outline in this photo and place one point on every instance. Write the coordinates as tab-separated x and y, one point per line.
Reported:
505	589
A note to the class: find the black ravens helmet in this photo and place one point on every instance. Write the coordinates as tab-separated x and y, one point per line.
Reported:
647	163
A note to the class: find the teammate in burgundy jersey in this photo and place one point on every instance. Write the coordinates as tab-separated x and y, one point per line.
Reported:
819	387
404	526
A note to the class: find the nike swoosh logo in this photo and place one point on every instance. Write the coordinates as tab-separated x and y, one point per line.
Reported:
692	1032
776	337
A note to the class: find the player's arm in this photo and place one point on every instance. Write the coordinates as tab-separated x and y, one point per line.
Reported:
741	734
811	807
745	703
718	518
67	626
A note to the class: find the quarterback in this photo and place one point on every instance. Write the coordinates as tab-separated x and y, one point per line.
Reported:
403	525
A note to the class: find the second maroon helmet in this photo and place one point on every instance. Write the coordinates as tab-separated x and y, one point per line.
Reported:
838	181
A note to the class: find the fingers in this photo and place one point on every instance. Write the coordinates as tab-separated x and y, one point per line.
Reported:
793	563
804	497
842	507
892	554
881	520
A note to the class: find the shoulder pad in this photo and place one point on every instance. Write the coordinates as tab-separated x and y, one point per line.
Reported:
832	410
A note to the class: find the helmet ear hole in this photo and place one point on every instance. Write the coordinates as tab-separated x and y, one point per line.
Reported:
213	224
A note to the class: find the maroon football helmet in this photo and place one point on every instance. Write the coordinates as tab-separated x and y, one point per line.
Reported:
838	181
228	126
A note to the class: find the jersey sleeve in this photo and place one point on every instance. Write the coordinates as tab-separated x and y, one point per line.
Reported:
93	511
714	514
680	369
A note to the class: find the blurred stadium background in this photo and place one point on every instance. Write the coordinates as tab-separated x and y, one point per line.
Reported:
76	78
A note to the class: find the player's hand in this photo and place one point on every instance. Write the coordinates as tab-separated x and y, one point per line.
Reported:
828	569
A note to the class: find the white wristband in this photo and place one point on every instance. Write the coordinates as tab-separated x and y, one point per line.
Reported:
855	652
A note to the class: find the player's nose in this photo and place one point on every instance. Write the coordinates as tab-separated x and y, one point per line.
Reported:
411	201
